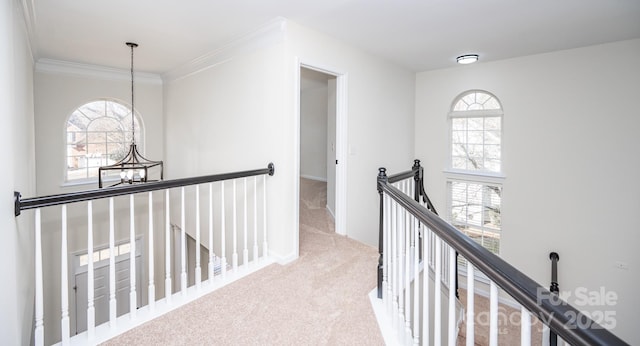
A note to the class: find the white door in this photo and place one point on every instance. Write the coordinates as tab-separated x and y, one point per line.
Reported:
101	291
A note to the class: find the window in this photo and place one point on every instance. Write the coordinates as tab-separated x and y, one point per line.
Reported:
475	210
476	133
98	134
474	180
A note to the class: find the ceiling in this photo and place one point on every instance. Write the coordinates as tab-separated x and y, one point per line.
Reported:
417	34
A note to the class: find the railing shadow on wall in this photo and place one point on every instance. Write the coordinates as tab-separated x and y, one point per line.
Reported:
240	226
411	231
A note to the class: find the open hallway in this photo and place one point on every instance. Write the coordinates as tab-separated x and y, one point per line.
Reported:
319	299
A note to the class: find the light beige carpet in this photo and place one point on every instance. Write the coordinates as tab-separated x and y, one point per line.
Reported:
319	299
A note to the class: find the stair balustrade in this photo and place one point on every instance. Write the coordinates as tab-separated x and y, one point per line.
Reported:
161	242
417	274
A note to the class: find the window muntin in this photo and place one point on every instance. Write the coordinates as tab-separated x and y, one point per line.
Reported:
97	134
475	209
474	175
476	100
476	133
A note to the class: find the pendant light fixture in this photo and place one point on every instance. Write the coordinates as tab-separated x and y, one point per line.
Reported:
133	168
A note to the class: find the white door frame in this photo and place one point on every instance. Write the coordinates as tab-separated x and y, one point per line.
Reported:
341	144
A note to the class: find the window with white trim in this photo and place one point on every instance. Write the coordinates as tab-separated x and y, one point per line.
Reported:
474	175
98	133
475	210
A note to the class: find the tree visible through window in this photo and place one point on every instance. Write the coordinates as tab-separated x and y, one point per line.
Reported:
476	133
475	199
98	134
475	210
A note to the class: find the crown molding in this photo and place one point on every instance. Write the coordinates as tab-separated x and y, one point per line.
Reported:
271	33
28	12
94	71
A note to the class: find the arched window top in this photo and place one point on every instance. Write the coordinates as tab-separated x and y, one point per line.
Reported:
99	133
100	111
476	100
476	133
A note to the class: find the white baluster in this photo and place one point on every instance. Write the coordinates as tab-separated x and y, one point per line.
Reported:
183	246
452	297
223	244
545	335
265	250
394	258
385	247
437	299
210	266
470	304
432	260
407	273
152	285
255	219
416	282
234	256
91	315
133	304
525	327
426	308
401	270
167	248
445	263
493	315
389	254
39	301
113	313
64	280
245	251
198	269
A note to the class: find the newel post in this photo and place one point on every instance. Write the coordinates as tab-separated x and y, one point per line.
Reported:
382	179
555	289
417	179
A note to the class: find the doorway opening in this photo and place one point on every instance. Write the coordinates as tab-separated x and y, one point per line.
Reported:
317	150
335	158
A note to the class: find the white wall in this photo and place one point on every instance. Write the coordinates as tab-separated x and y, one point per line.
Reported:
313	129
237	111
59	89
229	116
571	125
380	118
17	152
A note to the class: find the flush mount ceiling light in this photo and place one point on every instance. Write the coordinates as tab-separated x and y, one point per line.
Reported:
467	59
133	168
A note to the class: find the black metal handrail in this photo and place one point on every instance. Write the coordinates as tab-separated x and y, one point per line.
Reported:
562	318
72	197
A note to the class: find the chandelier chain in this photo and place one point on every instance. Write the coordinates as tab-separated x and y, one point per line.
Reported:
133	128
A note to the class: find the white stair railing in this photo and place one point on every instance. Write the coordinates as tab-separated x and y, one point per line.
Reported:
404	296
407	218
117	322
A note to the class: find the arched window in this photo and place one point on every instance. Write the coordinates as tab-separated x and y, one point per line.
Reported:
474	176
476	132
97	134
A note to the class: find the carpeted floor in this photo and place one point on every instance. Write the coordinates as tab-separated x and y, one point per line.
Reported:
319	299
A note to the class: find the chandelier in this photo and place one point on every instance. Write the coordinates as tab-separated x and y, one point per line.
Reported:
133	168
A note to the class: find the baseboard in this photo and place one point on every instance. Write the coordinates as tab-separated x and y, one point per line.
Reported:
311	177
282	260
331	213
384	322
